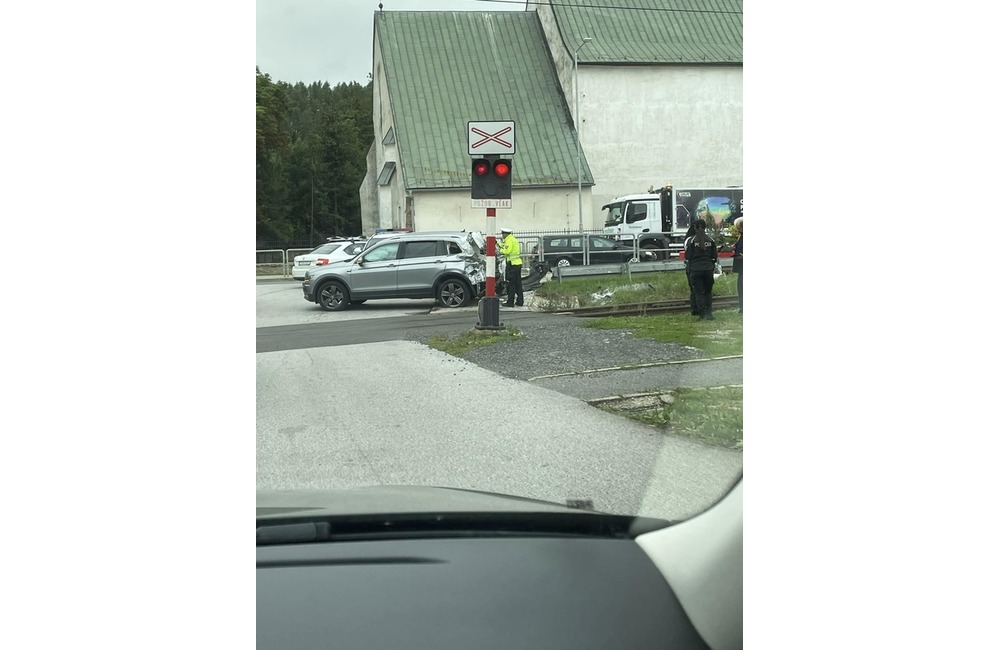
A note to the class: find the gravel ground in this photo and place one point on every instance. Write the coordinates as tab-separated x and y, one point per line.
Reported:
562	344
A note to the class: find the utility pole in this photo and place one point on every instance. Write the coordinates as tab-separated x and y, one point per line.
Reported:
579	163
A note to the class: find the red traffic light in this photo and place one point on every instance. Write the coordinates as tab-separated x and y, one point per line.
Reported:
491	178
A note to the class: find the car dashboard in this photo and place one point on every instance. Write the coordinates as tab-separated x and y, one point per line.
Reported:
462	579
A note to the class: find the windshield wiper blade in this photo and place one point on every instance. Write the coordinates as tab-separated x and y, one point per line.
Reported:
582	523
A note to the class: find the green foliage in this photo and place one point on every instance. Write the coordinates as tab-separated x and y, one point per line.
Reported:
712	415
461	343
724	235
312	144
272	152
715	338
615	290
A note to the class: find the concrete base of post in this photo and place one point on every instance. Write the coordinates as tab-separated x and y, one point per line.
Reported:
489	314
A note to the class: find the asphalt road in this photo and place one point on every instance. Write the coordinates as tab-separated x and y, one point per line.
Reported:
356	398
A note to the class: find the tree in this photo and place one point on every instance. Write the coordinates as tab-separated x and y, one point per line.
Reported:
312	146
272	151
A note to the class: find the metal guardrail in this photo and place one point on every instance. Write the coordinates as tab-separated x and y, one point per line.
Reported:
284	257
671	251
282	260
287	256
628	268
584	250
290	256
663	307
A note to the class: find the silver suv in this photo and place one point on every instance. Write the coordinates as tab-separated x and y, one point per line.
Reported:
447	266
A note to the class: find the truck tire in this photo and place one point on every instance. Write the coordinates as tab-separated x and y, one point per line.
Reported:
650	253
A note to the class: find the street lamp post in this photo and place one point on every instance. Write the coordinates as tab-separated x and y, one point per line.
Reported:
579	164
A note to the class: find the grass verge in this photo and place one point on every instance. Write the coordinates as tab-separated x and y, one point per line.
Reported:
714	338
711	415
616	290
459	344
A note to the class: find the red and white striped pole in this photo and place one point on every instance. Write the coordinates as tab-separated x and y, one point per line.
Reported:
489	307
491	252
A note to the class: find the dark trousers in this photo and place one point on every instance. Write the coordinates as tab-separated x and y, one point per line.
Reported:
513	275
739	288
694	301
702	283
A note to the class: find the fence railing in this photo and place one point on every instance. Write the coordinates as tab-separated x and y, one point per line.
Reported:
627	268
646	253
272	258
279	261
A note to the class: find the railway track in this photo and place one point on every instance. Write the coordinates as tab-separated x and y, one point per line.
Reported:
639	309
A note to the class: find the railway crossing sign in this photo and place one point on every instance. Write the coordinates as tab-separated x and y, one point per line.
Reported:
491	144
491	138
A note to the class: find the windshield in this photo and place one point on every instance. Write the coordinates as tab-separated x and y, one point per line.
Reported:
325	248
568	367
614	216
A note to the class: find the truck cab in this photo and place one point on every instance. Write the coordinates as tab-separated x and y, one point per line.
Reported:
658	221
639	217
633	214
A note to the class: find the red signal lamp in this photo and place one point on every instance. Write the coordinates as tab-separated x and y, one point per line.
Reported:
491	179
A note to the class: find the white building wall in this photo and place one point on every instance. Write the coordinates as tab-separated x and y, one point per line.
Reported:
649	125
645	126
533	209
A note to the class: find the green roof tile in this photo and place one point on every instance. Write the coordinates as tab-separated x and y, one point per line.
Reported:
644	32
444	69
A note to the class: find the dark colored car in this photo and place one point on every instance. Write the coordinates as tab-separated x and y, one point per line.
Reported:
567	250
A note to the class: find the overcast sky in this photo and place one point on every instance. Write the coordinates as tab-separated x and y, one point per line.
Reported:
331	40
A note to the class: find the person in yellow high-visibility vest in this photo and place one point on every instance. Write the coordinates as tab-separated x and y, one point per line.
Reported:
510	248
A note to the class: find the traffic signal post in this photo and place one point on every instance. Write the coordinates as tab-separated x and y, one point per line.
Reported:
491	144
489	306
490	189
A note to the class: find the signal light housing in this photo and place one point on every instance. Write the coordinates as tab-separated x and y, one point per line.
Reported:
491	179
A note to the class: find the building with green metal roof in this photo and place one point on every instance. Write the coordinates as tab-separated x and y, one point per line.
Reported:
660	100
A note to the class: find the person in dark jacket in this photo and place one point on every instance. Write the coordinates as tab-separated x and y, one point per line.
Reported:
701	254
687	270
738	261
